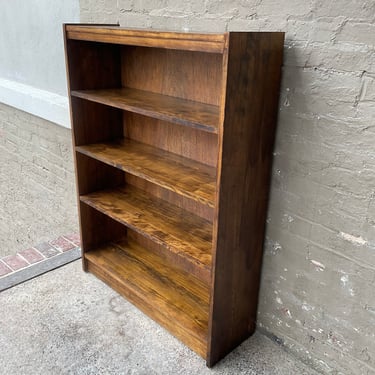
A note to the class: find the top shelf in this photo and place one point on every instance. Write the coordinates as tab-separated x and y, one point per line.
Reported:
181	111
212	43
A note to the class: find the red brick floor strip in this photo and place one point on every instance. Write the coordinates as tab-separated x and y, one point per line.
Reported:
32	255
4	269
39	253
15	262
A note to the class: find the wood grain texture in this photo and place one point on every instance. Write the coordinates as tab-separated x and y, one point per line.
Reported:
91	237
253	81
89	66
195	76
183	234
163	107
93	65
193	250
172	297
94	122
92	175
173	172
182	140
187	204
174	40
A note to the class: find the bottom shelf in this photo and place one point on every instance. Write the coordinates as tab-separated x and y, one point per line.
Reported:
173	298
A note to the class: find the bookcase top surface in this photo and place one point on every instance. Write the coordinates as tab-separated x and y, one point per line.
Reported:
207	42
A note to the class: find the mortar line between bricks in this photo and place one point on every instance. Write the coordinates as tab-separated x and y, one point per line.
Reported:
69	241
11	270
20	255
44	257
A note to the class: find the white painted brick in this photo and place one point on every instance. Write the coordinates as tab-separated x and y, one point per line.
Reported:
231	7
125	5
286	9
188	7
148	5
130	19
368	88
236	24
298	30
353	9
325	29
296	54
212	24
322	83
363	33
180	23
340	56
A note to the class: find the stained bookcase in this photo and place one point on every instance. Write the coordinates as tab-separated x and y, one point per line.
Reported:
173	136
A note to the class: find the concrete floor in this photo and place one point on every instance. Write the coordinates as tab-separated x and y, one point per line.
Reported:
68	322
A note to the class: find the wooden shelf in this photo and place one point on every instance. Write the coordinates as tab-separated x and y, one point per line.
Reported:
180	111
173	298
186	41
173	172
187	237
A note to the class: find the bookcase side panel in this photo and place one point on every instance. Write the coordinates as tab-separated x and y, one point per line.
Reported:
93	65
94	122
254	70
91	237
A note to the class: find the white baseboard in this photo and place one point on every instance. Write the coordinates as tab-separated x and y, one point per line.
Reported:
41	103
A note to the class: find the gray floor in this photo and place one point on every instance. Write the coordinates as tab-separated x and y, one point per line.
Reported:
68	322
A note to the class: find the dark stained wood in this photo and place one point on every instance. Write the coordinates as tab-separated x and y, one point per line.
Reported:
195	76
184	41
93	122
253	81
187	204
92	175
91	237
173	217
93	65
181	175
182	140
96	176
183	234
174	298
163	107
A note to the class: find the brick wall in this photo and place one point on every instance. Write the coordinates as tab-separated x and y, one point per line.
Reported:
37	191
318	294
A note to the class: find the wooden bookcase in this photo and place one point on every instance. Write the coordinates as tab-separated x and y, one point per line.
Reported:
173	136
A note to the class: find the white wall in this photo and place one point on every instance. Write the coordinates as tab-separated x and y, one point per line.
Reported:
32	70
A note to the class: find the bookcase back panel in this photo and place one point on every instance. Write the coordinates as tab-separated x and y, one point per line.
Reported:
168	256
182	140
189	75
187	204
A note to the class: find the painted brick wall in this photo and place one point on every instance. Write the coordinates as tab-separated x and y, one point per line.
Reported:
318	283
37	190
